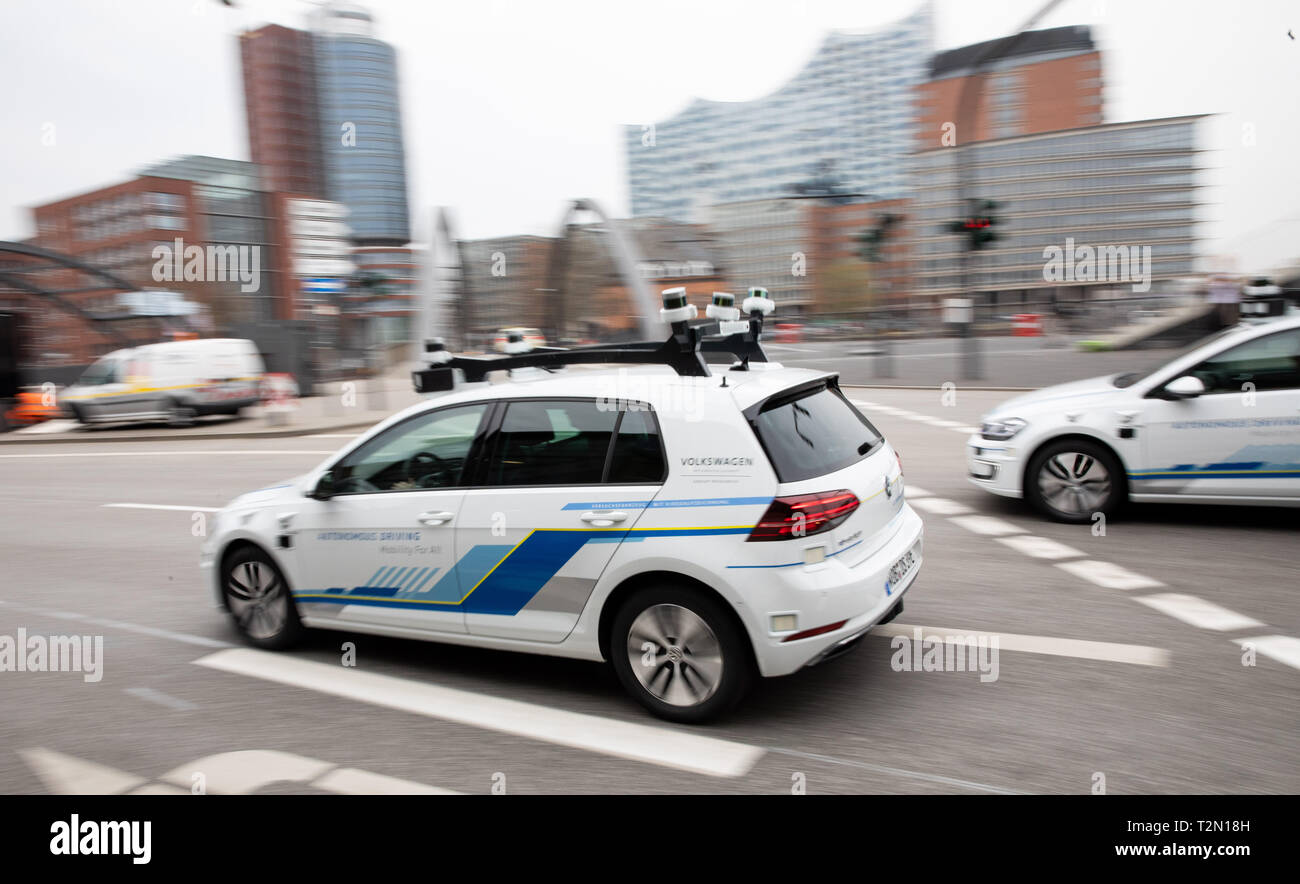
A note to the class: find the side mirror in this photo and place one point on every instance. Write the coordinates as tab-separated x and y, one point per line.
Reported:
1185	387
324	489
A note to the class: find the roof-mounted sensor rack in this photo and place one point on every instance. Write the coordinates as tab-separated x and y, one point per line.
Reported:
682	352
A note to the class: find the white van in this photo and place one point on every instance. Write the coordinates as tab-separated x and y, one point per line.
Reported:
176	381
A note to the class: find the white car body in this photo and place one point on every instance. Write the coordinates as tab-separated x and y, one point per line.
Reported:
1236	442
534	568
189	378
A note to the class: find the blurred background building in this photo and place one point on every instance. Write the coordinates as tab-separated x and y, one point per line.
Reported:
1124	184
282	108
848	115
1050	80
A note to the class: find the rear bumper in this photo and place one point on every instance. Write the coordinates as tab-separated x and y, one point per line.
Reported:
857	595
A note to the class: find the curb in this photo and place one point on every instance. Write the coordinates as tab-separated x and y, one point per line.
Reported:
171	437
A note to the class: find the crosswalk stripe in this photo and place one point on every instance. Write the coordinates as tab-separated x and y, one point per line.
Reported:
639	742
1282	648
1198	612
1112	652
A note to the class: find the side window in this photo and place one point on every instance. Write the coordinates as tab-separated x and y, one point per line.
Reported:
425	452
551	442
1270	363
638	456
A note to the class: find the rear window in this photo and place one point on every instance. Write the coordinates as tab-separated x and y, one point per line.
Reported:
813	432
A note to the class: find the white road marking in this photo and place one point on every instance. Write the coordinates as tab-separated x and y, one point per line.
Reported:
685	751
1198	612
910	490
1040	547
956	426
163	506
237	453
66	775
350	781
942	506
1108	574
1140	655
162	699
1282	648
988	525
247	770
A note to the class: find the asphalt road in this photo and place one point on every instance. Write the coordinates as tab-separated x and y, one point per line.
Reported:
1094	680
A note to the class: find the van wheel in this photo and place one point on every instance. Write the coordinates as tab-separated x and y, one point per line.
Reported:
259	600
679	653
1071	479
179	415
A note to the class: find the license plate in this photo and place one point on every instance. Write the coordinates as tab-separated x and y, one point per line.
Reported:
902	568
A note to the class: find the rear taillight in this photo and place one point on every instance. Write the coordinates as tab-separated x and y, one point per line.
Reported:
800	515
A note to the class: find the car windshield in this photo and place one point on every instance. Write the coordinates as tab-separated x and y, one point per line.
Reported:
1129	378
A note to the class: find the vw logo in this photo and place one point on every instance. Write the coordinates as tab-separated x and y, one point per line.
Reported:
889	489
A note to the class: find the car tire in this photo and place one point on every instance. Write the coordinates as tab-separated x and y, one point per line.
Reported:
179	415
700	664
259	599
1070	480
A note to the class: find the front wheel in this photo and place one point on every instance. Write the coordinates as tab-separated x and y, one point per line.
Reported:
679	654
1072	479
259	599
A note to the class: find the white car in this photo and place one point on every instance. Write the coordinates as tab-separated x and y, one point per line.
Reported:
1219	423
691	529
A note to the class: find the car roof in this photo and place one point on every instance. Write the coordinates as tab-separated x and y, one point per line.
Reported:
655	384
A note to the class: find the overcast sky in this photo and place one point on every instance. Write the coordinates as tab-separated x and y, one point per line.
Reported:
512	107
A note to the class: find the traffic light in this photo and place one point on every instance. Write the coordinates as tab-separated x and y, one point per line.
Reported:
980	224
873	238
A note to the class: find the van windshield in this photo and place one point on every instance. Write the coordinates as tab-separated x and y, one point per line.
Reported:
813	432
102	372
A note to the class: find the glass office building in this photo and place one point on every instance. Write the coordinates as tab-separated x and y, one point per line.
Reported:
847	117
361	125
1097	195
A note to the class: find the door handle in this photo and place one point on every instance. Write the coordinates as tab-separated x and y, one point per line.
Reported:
603	520
434	519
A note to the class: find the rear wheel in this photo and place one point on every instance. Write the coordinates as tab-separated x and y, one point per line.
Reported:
679	653
1072	479
259	599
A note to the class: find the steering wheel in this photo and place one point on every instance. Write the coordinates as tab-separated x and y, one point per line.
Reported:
441	469
355	485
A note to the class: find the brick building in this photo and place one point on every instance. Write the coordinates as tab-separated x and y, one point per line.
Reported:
1051	80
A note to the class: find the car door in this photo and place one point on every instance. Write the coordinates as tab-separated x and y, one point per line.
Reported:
1241	437
561	482
110	392
381	551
